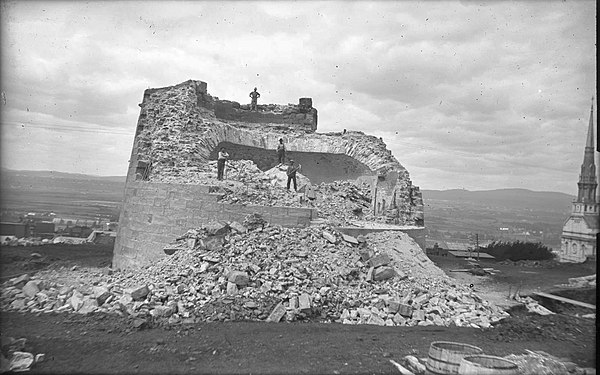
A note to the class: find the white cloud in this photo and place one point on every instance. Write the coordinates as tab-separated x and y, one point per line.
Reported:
488	94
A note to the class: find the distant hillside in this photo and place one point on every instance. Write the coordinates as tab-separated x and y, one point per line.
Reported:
507	198
526	215
62	193
11	174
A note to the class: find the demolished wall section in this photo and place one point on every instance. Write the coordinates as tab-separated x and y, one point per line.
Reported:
154	214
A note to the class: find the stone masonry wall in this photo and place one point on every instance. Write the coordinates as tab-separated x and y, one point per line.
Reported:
155	214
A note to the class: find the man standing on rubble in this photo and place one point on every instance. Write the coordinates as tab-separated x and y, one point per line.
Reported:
281	152
223	156
254	103
291	173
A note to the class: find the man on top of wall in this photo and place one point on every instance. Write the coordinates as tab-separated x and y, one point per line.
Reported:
253	104
223	156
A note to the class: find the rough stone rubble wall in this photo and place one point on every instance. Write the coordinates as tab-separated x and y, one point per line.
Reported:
183	116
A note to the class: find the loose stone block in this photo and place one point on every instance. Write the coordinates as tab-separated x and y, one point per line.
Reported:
101	294
418	315
379	260
231	288
89	305
304	303
216	228
405	310
139	293
350	239
31	288
329	237
383	273
277	313
376	320
393	305
239	278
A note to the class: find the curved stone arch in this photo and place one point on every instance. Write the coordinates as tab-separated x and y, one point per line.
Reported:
360	147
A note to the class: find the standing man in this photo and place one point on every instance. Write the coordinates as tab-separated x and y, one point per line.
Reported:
281	152
253	104
223	155
291	173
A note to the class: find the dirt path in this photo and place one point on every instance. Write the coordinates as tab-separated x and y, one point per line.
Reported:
101	343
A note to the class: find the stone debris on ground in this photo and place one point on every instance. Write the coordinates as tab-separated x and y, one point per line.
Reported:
269	273
581	282
13	356
542	363
532	363
533	306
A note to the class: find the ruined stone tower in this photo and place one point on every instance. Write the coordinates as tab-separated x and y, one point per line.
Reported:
181	127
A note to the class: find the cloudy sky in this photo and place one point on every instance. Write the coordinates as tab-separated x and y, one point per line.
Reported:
474	95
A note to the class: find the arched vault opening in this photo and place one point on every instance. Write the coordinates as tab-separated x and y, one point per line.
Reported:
317	166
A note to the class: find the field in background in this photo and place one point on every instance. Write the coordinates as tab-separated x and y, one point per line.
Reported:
65	194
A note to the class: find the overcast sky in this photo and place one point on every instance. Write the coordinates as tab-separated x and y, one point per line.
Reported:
474	95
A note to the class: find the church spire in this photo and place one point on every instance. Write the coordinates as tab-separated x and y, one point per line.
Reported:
590	136
587	179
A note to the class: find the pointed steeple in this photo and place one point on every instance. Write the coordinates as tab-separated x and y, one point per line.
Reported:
587	179
590	136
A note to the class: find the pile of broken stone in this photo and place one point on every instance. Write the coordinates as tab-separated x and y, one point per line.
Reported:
224	272
246	184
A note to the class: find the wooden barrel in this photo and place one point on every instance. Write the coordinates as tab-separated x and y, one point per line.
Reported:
445	356
487	365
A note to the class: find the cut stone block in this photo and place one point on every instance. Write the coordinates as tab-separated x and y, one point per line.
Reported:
350	239
418	315
277	313
405	310
383	273
216	228
379	260
329	237
304	303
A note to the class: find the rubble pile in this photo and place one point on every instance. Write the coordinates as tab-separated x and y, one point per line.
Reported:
340	201
343	201
224	272
539	362
581	282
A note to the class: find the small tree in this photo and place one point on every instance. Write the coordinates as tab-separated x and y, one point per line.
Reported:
519	251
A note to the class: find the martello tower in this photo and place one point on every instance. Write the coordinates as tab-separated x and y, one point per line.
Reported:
578	241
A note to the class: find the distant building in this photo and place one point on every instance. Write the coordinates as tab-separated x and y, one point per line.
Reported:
578	240
18	230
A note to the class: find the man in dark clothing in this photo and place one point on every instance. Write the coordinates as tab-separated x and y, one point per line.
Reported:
254	102
281	152
291	173
223	155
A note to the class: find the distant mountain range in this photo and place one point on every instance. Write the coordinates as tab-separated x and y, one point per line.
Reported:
11	173
508	198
